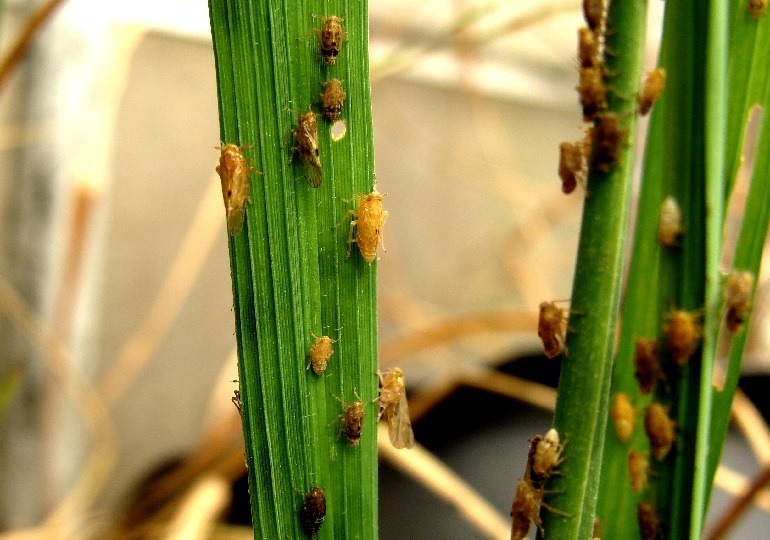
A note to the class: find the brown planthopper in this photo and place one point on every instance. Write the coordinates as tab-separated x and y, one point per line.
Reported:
352	420
683	334
651	90
552	328
592	91
313	511
594	12
320	353
661	430
589	53
330	36
649	525
738	298
757	8
367	224
525	509
395	407
332	99
572	166
306	145
234	172
608	142
646	364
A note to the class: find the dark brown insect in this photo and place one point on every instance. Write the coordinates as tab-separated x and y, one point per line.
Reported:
589	54
596	533
652	88
368	223
395	407
331	35
683	334
320	353
623	415
313	511
592	92
332	99
757	8
572	166
236	399
594	12
234	172
547	454
738	298
537	481
306	145
638	466
525	508
649	527
352	421
670	223
661	430
552	328
646	364
608	142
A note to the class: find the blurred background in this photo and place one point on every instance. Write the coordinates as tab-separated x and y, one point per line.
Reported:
116	337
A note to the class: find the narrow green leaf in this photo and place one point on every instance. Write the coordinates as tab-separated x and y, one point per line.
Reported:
291	278
749	85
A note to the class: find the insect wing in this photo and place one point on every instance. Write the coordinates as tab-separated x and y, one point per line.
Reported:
235	218
399	424
313	172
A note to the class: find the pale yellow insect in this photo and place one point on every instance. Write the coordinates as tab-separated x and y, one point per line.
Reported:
623	416
306	139
738	298
661	430
670	224
652	88
234	172
547	455
638	467
395	407
320	353
367	224
332	99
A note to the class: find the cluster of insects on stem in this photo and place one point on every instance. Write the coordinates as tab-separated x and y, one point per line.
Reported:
545	455
604	136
